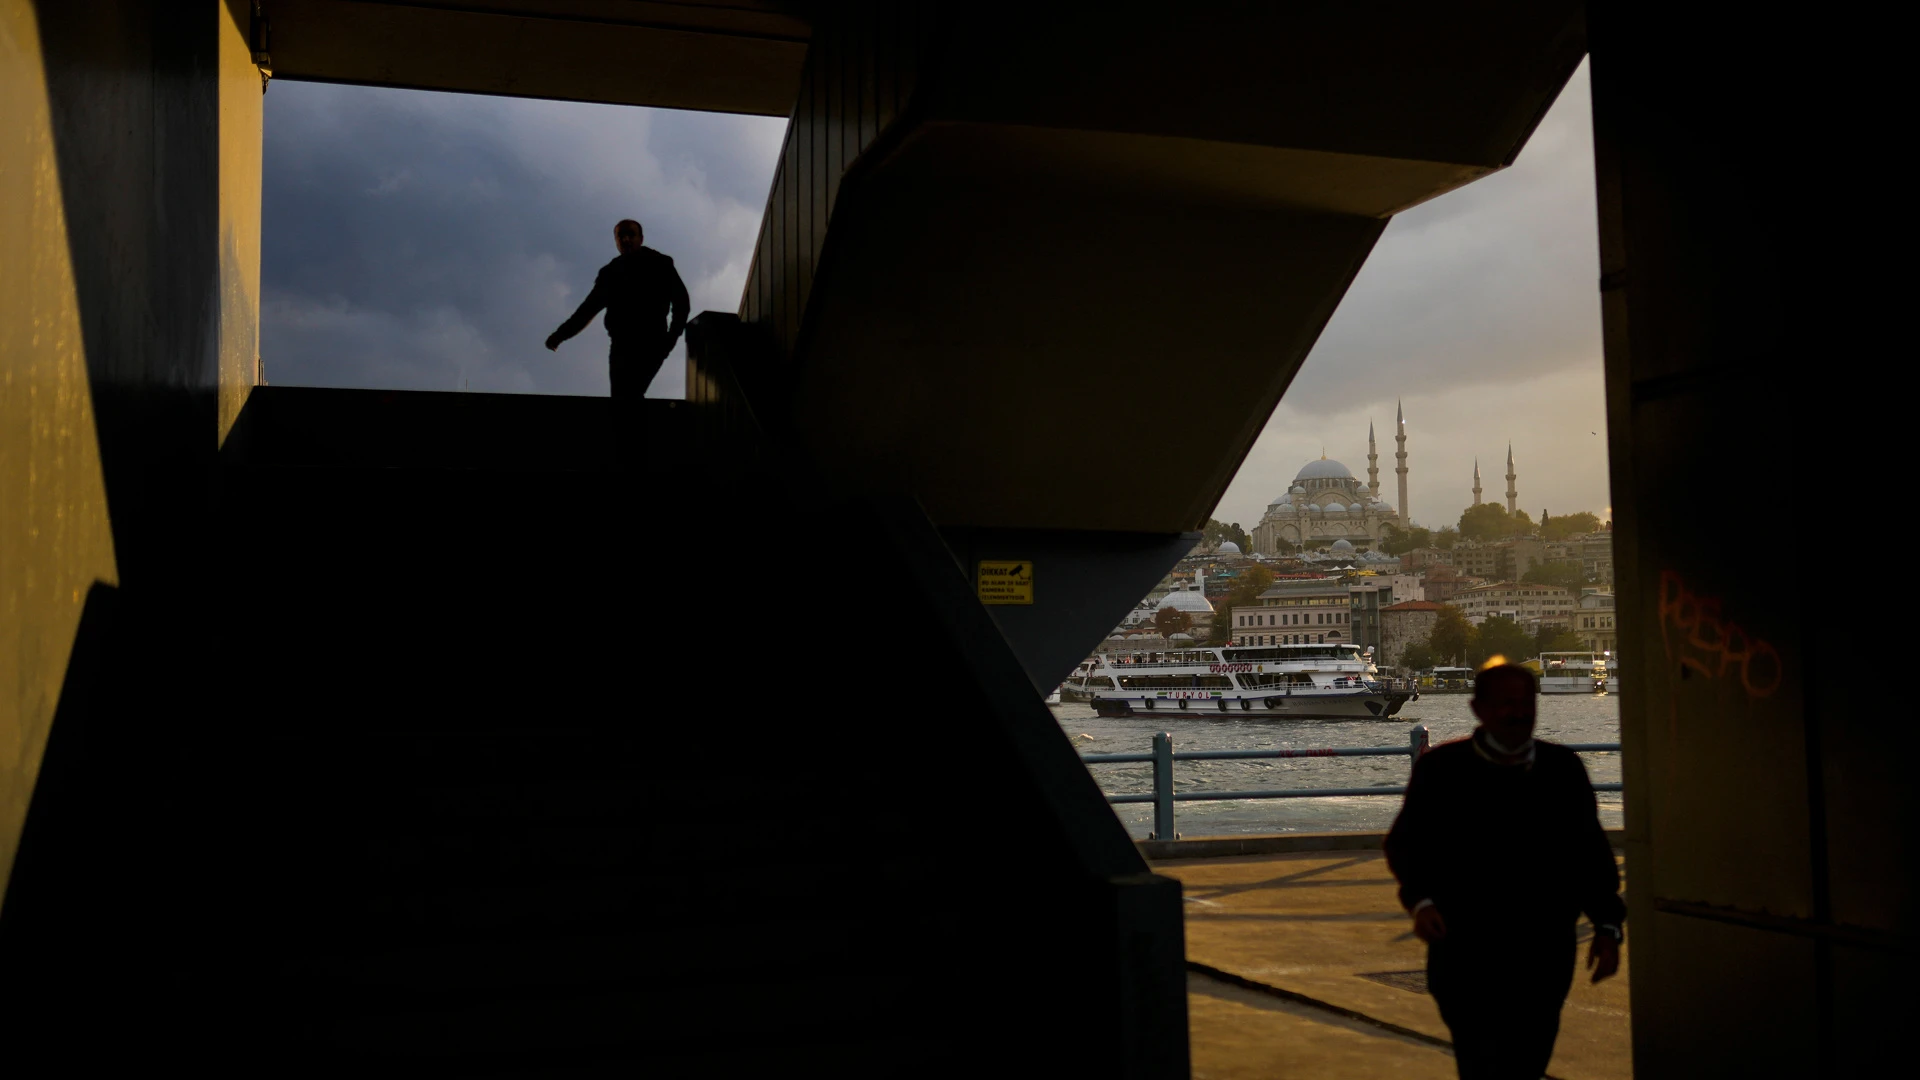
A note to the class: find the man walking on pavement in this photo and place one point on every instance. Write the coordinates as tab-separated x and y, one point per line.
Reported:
1498	850
637	289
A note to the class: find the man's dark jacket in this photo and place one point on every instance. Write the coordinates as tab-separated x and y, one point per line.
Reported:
1508	853
637	290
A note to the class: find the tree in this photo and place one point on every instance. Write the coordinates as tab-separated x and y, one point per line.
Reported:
1401	541
1216	533
1453	636
1445	537
1170	621
1554	639
1502	637
1417	655
1566	525
1245	593
1488	521
1522	524
1566	575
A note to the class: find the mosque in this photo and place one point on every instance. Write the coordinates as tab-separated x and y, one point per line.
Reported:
1327	504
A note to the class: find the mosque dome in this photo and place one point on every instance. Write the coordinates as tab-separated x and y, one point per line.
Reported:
1187	600
1333	507
1282	501
1229	548
1323	469
1342	547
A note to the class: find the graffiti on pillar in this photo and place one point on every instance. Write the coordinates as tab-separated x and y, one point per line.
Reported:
1705	642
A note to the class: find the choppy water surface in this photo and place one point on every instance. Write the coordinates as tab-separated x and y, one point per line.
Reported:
1567	718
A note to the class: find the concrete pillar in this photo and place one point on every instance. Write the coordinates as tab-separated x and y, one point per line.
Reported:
1770	836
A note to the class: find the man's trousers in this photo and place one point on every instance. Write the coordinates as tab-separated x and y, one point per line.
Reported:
1501	999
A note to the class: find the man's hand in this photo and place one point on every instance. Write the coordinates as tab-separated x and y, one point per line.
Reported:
1603	956
553	342
1428	926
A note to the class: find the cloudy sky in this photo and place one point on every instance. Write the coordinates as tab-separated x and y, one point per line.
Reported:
1480	311
432	241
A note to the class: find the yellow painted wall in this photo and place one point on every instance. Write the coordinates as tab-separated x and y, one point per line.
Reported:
55	541
240	123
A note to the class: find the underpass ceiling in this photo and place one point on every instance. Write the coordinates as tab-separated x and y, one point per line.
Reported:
1076	285
738	56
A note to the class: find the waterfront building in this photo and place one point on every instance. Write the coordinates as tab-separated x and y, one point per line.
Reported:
1327	503
1312	610
1403	624
1528	604
1593	621
1442	583
1499	560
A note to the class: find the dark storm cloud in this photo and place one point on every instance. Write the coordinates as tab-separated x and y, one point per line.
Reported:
430	241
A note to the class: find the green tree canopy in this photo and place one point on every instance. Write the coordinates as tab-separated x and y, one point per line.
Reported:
1417	655
1567	575
1445	537
1554	639
1245	593
1170	621
1453	636
1401	541
1490	521
1216	532
1565	525
1501	636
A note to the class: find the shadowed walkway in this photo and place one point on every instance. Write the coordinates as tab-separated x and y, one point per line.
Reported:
1324	927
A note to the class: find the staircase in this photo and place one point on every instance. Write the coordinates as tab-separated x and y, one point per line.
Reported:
521	770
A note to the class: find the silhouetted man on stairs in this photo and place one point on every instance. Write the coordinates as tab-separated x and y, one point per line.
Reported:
637	289
1498	850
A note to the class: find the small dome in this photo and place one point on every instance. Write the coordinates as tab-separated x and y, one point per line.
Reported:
1323	470
1229	548
1333	507
1185	600
1342	547
1297	489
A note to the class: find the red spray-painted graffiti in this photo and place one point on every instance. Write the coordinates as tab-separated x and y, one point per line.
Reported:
1711	645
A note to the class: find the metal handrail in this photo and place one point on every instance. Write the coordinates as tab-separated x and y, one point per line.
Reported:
1162	757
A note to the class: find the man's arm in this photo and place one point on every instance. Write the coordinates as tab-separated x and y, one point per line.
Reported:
677	295
1596	874
1409	846
596	300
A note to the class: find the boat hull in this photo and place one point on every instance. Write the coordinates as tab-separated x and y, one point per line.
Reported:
1353	706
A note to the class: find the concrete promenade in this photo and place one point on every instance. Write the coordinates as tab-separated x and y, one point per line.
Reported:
1303	964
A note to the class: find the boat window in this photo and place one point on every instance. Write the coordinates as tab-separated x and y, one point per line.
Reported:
1175	682
1261	680
1099	682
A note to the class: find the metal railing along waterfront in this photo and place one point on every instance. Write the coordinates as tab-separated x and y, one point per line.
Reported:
1162	756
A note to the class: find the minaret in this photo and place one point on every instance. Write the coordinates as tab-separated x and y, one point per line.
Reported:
1400	456
1476	481
1513	496
1373	464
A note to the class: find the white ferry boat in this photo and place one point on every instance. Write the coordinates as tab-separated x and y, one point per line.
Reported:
1075	688
1292	682
1573	673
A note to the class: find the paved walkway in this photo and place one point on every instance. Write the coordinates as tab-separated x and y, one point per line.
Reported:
1316	925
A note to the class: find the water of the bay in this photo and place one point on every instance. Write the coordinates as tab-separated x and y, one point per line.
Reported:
1568	718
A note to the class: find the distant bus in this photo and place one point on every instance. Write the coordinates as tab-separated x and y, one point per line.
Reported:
1447	678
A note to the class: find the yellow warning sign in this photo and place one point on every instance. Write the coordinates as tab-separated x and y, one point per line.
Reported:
1003	582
